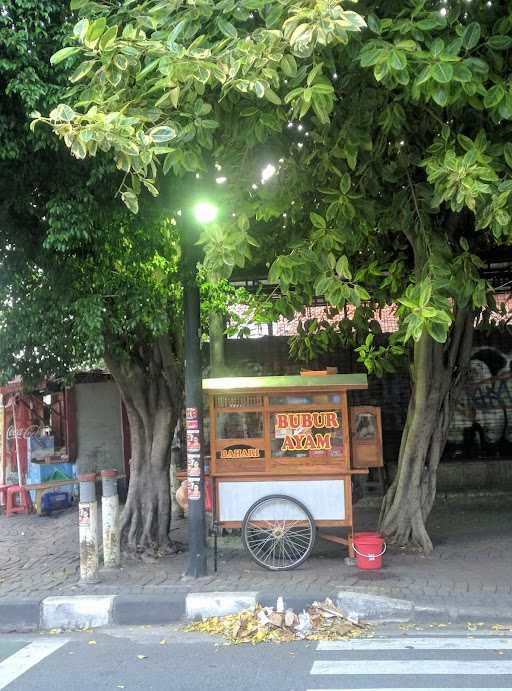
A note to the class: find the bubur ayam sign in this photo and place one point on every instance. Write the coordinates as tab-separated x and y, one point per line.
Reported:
299	432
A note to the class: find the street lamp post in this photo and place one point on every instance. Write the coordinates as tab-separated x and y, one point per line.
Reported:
197	562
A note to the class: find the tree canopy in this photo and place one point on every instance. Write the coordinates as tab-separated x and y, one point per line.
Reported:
83	281
389	129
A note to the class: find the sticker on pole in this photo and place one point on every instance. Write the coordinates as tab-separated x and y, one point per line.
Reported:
193	443
193	465
84	514
191	413
194	490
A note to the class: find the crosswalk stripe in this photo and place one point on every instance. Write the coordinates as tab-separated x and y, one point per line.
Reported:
416	667
14	666
438	643
420	688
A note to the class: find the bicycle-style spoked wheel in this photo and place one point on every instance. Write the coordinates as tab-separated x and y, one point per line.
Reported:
278	532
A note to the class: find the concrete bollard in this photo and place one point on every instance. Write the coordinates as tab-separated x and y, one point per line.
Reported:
110	519
88	528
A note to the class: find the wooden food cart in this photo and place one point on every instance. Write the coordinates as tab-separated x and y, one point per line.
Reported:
281	461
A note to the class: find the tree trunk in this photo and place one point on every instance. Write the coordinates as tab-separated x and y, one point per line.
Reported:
151	387
437	373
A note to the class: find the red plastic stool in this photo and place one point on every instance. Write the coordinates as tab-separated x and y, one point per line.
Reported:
24	503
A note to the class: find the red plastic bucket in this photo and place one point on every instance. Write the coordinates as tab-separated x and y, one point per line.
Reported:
369	548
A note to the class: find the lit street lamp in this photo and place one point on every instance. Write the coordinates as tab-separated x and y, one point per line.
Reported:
203	213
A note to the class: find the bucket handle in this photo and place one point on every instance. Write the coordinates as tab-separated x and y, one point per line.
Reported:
368	556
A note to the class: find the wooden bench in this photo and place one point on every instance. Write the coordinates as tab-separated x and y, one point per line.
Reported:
41	487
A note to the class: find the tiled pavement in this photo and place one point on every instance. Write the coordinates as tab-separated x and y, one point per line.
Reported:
470	567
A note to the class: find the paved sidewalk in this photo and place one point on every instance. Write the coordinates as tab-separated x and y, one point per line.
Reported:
468	571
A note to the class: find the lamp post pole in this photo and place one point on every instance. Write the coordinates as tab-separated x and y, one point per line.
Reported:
193	403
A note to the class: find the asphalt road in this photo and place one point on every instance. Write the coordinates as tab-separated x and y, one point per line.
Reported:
164	658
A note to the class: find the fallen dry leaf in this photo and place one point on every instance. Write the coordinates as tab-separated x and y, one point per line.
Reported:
321	621
141	657
92	642
163	641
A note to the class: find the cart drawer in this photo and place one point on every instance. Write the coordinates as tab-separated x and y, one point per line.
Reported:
325	499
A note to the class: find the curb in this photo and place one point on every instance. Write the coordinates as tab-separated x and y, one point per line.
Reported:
94	611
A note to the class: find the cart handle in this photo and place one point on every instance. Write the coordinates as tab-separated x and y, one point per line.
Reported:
369	556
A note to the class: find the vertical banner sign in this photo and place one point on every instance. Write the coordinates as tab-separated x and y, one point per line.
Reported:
193	454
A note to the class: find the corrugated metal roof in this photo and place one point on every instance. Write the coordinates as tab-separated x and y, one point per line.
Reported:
345	381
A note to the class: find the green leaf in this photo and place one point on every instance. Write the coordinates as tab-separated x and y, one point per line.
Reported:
294	93
437	47
272	97
471	35
345	183
439	332
425	293
82	70
289	65
120	61
320	109
317	220
323	88
442	72
80	28
362	293
477	65
322	285
370	56
95	30
108	38
147	69
424	75
434	22
494	96
373	23
259	89
150	188
502	217
227	28
397	60
64	53
408	303
342	268
131	201
440	96
500	42
508	154
78	4
243	222
461	73
163	133
63	112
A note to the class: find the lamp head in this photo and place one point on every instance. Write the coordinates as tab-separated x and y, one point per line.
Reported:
205	212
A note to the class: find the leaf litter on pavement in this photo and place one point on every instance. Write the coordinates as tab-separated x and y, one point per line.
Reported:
320	621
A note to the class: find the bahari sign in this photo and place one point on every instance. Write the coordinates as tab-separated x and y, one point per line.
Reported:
240	452
298	436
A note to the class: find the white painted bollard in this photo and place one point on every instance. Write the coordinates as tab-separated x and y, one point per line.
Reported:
88	528
110	519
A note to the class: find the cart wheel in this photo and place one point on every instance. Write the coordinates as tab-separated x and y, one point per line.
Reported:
278	532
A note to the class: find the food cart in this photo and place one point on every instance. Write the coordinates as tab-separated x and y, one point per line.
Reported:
283	453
